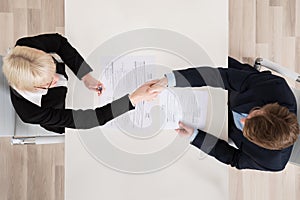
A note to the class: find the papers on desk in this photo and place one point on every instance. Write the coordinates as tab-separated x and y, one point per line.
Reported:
172	105
187	105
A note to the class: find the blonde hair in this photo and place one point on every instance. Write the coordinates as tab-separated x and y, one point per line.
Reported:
25	68
277	128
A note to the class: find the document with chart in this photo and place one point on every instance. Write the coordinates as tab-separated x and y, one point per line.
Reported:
124	75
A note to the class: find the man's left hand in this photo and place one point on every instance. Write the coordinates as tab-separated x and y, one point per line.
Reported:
184	130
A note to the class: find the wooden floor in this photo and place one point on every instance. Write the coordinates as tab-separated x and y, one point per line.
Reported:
266	28
31	172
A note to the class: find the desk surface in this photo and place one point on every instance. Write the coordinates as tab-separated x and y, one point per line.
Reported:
192	174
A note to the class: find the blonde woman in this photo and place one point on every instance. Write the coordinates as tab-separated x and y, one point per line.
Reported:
38	85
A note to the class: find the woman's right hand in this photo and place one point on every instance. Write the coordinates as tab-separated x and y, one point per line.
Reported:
143	93
160	85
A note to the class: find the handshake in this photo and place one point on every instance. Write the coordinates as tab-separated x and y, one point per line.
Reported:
148	91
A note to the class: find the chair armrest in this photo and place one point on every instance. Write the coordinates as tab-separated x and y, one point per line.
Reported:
277	68
38	140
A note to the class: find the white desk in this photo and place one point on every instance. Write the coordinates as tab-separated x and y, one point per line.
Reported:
190	176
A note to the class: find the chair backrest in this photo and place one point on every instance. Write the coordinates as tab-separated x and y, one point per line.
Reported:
7	113
295	157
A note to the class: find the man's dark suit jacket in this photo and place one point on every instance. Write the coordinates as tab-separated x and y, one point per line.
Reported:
52	114
248	88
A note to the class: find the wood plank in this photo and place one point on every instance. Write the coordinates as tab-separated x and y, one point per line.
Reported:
6	6
235	22
297	19
6	32
18	4
289	17
5	172
48	17
60	30
275	2
13	170
297	53
288	56
41	170
276	18
59	182
248	28
59	6
262	21
262	50
34	4
20	23
35	25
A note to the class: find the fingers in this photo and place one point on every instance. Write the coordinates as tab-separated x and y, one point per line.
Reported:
188	131
149	83
156	88
99	93
146	88
182	125
159	86
100	88
152	96
182	128
180	131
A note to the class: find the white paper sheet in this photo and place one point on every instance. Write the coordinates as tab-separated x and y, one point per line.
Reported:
172	105
187	105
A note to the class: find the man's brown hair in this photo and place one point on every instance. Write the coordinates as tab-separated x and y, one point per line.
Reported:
274	128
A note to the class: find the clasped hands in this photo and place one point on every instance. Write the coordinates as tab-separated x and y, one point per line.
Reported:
146	92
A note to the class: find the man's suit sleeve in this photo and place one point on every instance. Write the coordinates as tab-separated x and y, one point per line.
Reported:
68	118
55	43
226	78
224	152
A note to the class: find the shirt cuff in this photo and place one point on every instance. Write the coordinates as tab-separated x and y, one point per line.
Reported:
83	70
193	136
171	79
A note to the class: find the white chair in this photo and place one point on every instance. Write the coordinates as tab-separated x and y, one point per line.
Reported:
12	126
261	62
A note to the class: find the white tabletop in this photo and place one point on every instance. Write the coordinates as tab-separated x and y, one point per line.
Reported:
197	33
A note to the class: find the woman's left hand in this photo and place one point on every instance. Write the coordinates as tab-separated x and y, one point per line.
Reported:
92	84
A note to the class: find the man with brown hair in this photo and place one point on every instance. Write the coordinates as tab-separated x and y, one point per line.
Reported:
272	126
262	115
